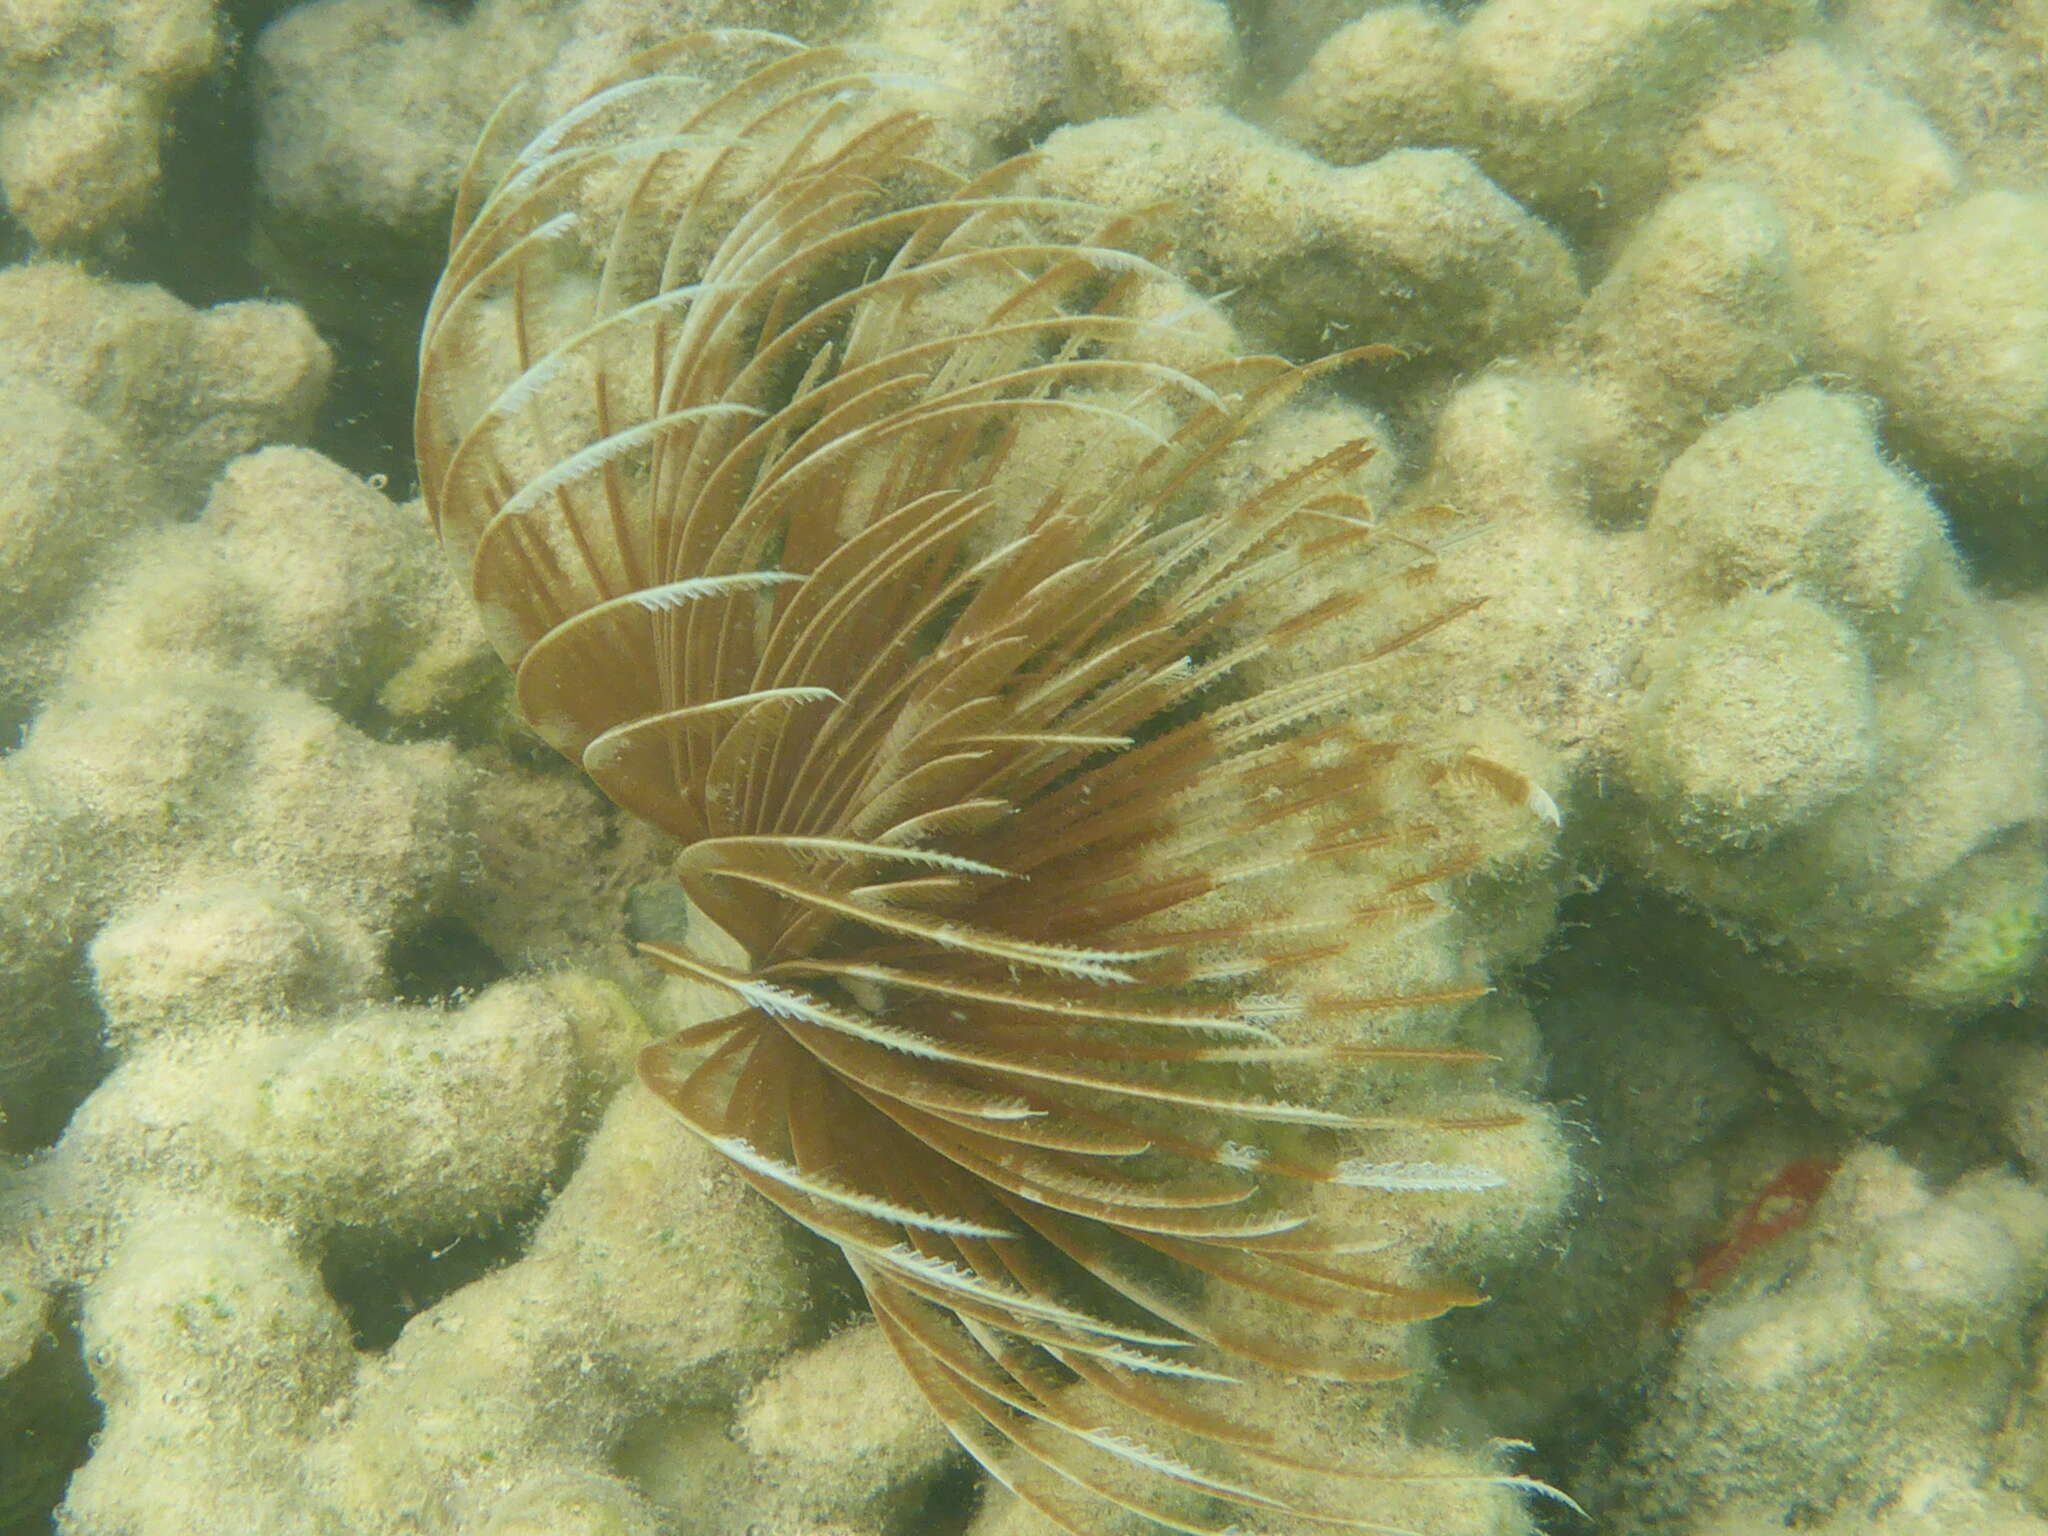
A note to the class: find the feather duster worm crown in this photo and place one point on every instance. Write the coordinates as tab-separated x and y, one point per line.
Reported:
842	516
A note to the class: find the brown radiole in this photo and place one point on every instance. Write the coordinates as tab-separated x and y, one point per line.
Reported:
856	522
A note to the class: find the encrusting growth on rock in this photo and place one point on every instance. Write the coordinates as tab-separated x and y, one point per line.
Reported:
839	517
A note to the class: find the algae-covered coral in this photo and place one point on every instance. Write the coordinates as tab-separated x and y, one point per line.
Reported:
330	1207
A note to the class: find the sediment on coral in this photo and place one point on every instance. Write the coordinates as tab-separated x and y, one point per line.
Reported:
317	1000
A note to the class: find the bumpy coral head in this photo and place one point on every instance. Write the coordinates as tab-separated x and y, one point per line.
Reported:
838	515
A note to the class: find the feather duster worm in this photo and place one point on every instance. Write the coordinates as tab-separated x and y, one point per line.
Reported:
839	515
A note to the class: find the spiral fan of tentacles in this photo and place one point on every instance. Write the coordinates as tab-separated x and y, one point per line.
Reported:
1036	851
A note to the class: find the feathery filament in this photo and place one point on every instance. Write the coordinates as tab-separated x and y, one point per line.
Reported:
838	515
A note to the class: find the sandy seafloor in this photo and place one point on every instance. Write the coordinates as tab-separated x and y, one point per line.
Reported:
329	1203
